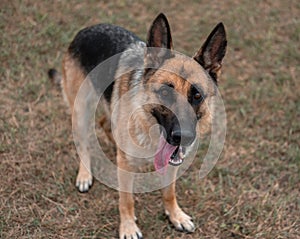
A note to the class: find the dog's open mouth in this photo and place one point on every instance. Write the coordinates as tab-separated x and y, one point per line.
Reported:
168	154
177	157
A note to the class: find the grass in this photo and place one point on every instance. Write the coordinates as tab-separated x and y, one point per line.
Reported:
253	192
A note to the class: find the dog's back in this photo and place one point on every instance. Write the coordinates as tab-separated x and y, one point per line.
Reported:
97	43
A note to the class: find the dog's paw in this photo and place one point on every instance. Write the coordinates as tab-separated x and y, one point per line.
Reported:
129	230
181	221
84	181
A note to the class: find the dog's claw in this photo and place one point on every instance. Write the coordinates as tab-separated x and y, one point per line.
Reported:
182	221
139	235
129	230
84	182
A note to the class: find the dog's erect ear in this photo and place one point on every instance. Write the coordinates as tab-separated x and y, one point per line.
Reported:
211	53
159	36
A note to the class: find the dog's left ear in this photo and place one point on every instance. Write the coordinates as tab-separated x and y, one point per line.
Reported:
211	53
159	38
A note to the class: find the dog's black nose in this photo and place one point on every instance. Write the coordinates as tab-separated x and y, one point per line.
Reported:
182	137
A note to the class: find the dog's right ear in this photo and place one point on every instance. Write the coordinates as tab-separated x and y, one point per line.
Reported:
159	38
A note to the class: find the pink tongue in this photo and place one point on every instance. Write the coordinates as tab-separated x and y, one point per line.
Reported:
163	154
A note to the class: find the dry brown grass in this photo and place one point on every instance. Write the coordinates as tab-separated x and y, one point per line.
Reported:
253	192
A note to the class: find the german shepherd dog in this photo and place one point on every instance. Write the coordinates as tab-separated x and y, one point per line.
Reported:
195	80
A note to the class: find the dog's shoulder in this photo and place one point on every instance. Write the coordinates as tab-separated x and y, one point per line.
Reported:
96	44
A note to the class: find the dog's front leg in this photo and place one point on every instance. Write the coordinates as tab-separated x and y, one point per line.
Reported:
81	130
179	219
128	227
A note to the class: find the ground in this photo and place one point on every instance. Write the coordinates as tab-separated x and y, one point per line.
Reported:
253	191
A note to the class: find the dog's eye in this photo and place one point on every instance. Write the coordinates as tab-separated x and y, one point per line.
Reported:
164	92
197	96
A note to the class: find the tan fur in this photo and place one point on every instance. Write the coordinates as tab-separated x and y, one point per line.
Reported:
104	124
73	77
181	73
182	83
138	124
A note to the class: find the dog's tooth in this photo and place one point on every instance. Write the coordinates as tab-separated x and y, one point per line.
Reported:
181	155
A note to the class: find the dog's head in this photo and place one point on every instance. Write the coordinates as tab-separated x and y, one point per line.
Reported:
184	88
